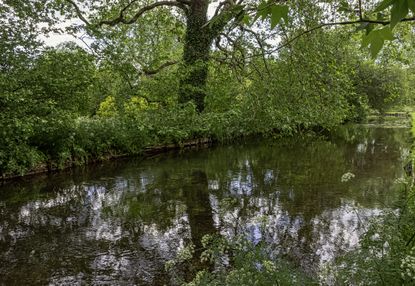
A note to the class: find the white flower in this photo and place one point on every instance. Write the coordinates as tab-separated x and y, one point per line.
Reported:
347	177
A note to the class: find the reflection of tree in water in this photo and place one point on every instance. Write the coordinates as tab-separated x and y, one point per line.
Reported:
199	210
74	231
122	221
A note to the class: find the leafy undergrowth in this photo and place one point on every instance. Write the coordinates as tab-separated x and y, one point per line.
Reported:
65	140
386	255
237	262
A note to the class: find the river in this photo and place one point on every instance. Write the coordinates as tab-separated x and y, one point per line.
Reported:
119	222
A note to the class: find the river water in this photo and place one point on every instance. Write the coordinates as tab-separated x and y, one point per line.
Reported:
117	223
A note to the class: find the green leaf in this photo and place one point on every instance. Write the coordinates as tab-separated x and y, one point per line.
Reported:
246	19
367	39
375	46
344	7
375	40
386	34
237	9
236	12
275	16
285	11
411	5
399	10
278	12
369	28
384	4
262	11
240	14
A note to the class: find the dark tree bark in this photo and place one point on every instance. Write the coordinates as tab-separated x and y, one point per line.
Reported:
197	45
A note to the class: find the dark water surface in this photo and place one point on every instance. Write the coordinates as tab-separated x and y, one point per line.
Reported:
119	222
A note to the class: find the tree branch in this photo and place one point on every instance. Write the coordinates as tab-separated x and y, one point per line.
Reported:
126	7
186	2
79	12
230	54
123	20
410	240
261	46
148	72
360	21
220	5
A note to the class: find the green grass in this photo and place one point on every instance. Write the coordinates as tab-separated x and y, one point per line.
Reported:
413	124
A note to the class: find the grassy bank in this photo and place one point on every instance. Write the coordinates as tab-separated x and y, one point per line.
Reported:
38	145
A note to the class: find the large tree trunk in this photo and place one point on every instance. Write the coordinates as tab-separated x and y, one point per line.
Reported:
197	45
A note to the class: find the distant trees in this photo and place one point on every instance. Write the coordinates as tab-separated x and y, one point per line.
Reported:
382	87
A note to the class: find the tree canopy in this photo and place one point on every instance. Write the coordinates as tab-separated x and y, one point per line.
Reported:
171	71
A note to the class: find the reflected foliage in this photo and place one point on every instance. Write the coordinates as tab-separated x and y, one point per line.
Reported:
123	221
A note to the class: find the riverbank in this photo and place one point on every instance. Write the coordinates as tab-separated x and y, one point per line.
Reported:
148	151
82	141
68	142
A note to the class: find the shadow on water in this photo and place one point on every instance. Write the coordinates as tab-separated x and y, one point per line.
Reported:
119	222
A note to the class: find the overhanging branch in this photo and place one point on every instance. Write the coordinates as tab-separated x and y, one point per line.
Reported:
261	46
322	25
121	18
186	2
79	12
183	4
148	72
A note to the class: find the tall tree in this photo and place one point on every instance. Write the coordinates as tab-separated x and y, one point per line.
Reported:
199	35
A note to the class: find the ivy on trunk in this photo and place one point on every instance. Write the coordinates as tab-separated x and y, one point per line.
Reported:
197	43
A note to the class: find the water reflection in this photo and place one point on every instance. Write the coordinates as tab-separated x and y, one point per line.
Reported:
118	223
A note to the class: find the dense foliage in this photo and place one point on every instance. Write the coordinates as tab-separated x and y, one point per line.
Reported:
148	77
65	105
